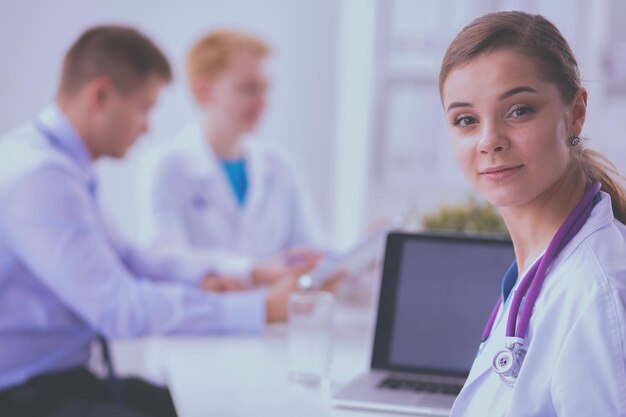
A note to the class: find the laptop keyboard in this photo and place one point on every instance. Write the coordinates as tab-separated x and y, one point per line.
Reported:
421	386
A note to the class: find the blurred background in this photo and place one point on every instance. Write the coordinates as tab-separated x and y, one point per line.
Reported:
354	93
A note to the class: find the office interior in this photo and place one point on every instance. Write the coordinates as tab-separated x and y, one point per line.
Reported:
354	94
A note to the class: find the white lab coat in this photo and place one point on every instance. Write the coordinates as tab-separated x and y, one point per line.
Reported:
195	209
576	360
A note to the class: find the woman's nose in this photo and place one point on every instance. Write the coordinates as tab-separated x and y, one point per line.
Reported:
493	139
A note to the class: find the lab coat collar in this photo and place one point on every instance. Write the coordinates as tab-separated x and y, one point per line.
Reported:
601	216
195	140
258	167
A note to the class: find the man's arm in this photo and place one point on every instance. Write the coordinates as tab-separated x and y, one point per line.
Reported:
51	223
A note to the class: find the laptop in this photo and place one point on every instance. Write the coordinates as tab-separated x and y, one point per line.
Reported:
436	293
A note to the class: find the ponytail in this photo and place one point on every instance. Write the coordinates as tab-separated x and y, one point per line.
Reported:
596	166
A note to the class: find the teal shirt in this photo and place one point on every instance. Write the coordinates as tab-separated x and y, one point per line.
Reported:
236	172
508	282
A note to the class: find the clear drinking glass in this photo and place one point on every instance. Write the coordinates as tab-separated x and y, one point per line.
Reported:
310	336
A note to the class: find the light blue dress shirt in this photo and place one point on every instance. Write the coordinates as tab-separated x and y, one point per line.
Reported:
64	277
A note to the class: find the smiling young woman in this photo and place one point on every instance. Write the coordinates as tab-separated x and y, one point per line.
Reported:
515	107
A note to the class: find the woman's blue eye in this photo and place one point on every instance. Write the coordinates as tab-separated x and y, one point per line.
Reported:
463	121
521	111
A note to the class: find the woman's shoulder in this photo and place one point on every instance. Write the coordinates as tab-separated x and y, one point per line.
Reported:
605	252
598	264
588	283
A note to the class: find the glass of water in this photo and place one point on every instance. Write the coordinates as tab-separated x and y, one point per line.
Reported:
310	336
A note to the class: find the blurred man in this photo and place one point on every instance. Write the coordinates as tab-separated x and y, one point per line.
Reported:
64	279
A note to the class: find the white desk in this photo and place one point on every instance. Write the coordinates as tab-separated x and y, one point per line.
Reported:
230	375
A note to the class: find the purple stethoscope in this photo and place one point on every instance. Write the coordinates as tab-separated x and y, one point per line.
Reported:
508	362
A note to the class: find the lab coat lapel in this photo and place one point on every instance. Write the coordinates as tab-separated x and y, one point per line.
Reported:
495	342
259	183
482	363
483	377
206	169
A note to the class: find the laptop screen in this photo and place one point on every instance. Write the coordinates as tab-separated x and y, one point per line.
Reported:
436	295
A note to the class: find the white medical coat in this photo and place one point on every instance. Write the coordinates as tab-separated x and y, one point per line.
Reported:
576	360
194	207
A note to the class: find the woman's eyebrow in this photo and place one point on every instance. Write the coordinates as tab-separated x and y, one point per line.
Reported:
517	90
505	95
456	104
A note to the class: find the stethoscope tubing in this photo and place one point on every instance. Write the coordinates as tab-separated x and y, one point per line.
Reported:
531	284
570	227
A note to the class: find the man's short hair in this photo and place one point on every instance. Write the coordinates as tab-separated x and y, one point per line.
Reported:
213	53
122	53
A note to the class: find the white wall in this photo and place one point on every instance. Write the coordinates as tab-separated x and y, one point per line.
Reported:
321	99
35	34
412	170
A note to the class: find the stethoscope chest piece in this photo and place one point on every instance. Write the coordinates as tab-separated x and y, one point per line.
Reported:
508	362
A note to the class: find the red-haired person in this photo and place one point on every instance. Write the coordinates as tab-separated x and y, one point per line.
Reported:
220	193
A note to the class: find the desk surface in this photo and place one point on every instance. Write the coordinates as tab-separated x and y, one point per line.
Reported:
237	375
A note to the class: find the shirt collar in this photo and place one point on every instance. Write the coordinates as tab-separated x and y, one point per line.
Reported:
64	136
509	280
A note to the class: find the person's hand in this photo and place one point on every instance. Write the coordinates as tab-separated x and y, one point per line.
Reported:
277	300
218	283
332	283
292	262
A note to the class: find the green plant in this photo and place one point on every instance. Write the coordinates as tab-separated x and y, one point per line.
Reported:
472	216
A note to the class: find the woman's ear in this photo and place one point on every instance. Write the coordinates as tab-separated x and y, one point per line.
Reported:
579	111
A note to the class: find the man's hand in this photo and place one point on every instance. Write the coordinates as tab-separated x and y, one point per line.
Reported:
293	262
218	283
277	301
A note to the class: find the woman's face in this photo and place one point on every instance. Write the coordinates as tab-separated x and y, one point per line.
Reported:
237	97
510	128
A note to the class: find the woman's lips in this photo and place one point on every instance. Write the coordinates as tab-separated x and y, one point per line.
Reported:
500	173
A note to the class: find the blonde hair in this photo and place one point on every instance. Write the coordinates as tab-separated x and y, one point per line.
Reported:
536	37
213	53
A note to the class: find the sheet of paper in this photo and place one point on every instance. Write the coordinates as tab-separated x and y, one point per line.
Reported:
351	261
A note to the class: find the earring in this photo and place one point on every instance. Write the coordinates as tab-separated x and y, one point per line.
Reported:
575	140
